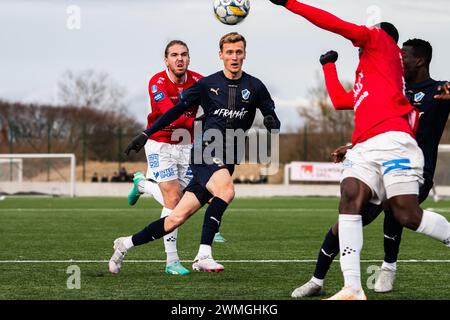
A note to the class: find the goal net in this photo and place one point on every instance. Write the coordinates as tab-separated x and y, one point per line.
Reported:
37	174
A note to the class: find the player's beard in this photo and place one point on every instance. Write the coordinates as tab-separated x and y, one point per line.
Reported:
177	73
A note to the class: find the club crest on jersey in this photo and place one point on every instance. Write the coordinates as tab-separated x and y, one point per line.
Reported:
245	94
419	96
158	96
154	88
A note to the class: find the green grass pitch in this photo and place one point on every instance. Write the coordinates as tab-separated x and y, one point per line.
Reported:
284	232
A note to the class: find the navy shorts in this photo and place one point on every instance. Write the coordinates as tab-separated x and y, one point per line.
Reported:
201	173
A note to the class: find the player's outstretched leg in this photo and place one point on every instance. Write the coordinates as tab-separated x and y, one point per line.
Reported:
173	264
329	250
392	238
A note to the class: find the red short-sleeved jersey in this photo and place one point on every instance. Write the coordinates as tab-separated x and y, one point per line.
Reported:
164	94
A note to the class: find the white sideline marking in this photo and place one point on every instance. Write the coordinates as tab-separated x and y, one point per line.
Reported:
158	209
225	261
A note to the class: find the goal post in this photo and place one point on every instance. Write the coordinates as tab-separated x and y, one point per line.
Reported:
23	172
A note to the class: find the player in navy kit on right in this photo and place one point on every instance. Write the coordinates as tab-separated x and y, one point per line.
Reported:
428	96
229	99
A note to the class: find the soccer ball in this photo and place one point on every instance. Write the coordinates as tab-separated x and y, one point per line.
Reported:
231	11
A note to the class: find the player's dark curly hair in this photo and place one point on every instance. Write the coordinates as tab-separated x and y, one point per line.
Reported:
172	43
421	49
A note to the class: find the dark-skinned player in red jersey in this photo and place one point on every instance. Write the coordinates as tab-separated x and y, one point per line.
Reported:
428	96
385	161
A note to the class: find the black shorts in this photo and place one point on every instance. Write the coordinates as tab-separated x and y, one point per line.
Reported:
372	211
201	173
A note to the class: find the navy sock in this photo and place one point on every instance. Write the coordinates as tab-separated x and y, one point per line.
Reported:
153	231
213	218
329	250
392	237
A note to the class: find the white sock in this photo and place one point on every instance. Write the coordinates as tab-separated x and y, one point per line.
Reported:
170	240
128	242
317	281
435	226
145	186
389	266
350	244
204	250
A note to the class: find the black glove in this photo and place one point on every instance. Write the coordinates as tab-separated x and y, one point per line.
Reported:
271	123
279	2
330	56
137	143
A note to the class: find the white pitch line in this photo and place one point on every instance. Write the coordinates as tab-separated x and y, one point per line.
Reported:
224	261
158	209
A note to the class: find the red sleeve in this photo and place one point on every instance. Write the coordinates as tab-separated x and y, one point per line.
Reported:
325	20
341	99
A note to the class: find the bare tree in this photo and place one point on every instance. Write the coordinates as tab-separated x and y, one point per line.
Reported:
90	89
326	128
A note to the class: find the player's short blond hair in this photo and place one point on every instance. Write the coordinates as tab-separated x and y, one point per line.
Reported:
232	37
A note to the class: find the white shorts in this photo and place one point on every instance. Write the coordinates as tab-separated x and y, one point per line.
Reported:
167	162
391	164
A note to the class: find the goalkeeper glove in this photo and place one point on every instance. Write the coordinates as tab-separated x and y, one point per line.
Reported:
271	123
137	143
279	2
330	56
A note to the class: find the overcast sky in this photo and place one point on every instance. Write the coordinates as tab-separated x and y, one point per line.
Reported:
126	39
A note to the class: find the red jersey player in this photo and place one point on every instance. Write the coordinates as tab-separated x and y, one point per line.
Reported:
385	161
167	156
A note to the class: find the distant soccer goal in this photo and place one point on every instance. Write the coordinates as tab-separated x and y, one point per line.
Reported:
37	174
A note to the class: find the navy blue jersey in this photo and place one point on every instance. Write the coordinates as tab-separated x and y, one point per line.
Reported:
433	118
227	104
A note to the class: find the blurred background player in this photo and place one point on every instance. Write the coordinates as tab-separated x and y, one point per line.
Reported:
426	95
229	99
385	161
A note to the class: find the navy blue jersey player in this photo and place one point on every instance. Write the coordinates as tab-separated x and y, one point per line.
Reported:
229	99
429	97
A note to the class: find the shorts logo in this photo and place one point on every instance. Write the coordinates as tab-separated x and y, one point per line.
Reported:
189	172
154	88
166	173
153	160
245	94
419	96
158	96
397	164
347	163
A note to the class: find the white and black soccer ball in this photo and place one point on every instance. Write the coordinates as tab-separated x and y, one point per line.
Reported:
231	12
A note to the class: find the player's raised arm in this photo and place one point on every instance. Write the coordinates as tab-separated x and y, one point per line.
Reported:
341	99
325	20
